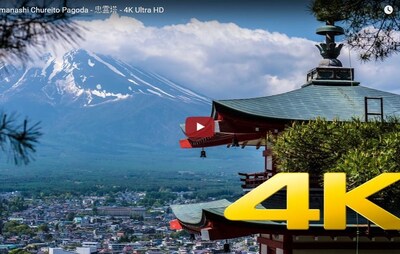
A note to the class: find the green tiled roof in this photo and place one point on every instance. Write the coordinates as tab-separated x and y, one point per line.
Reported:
327	101
193	213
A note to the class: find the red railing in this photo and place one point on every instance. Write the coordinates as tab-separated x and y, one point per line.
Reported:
252	180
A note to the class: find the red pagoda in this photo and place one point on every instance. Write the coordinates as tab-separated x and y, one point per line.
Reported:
330	92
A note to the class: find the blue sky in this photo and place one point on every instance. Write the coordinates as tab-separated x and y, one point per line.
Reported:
290	16
223	49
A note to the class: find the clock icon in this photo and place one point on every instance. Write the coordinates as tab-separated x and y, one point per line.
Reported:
388	9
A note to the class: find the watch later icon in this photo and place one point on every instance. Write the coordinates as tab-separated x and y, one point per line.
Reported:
388	9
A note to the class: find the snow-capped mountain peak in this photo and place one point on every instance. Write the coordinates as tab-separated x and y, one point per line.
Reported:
90	79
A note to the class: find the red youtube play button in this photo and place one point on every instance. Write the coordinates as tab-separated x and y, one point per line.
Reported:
199	127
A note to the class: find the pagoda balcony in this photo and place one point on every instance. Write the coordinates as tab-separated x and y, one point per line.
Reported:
252	180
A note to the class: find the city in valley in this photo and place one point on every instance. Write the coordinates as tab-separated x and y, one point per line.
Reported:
122	222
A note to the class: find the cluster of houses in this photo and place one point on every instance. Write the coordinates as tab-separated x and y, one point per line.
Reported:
65	226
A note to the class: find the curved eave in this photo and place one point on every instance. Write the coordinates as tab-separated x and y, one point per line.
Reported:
210	216
222	109
244	139
193	214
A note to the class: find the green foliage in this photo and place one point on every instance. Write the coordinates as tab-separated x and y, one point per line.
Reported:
43	228
21	32
16	204
361	150
157	198
179	234
368	28
110	199
312	146
16	228
18	140
95	211
137	217
325	10
19	251
124	239
45	182
70	216
373	157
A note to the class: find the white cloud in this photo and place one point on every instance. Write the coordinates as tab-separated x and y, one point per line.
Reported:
222	60
381	75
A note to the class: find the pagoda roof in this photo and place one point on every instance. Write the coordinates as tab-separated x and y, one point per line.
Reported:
193	213
210	216
312	101
248	120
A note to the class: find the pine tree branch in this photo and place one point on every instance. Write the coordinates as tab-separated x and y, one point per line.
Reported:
19	141
369	30
21	31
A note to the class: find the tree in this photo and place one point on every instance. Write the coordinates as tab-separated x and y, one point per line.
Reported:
11	228
368	28
361	150
44	228
19	251
23	31
18	140
70	216
179	234
95	210
124	239
16	204
312	147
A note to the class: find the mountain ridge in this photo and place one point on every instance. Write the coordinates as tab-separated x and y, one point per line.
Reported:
97	111
71	78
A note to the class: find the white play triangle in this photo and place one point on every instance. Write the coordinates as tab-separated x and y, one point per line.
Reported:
199	126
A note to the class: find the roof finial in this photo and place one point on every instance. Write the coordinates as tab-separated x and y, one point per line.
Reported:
330	71
329	50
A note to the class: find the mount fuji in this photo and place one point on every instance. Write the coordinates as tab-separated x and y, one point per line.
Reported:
84	79
97	111
93	106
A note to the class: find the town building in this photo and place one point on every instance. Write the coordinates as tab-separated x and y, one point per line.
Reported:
121	211
79	250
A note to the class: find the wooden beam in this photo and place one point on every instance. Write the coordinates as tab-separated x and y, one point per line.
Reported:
347	245
270	242
287	244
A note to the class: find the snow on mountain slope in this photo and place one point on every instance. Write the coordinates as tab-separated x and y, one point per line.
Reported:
89	79
96	111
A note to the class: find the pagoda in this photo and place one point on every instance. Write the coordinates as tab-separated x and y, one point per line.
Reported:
329	92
